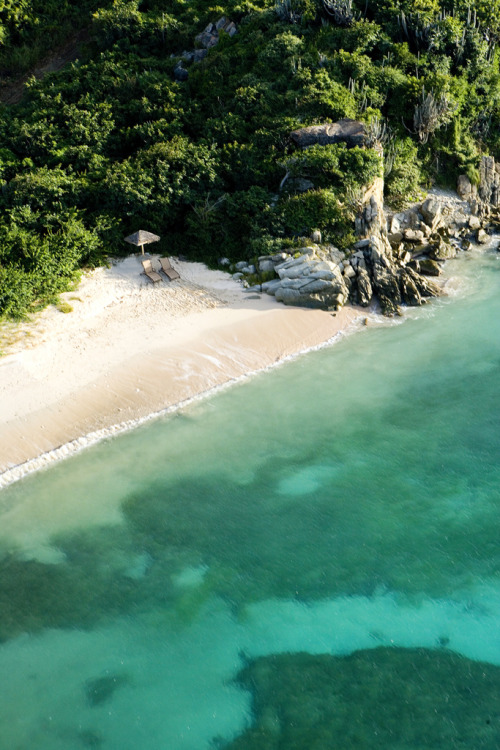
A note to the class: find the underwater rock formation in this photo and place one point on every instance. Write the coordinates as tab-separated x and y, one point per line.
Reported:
390	698
101	689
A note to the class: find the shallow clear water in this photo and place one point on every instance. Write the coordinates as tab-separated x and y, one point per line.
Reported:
347	500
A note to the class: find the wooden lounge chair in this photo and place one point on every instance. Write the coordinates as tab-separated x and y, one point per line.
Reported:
150	272
168	269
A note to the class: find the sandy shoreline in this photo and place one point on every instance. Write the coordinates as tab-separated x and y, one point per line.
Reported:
129	349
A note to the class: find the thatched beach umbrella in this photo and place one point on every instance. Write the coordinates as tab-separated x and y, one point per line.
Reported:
142	238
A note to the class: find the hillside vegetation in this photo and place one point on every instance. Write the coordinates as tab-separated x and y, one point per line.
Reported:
115	142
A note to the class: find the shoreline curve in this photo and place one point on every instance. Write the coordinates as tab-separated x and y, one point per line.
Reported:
131	353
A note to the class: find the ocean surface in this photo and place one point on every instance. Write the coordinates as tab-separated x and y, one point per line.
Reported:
308	560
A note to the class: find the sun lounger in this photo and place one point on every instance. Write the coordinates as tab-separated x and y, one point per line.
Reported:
150	272
168	269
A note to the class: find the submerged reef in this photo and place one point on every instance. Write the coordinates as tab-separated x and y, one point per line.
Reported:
101	689
378	698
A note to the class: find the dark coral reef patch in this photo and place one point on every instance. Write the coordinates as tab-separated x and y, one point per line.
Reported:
391	698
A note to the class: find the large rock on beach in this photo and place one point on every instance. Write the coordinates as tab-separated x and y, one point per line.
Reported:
321	276
394	268
432	213
386	285
442	250
312	279
482	237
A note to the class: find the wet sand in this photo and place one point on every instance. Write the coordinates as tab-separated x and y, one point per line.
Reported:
129	349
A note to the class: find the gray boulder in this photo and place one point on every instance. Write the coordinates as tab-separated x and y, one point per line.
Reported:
364	287
426	288
310	280
395	238
288	296
465	188
414	235
350	132
270	287
266	265
386	286
431	211
440	248
429	267
409	289
482	237
180	73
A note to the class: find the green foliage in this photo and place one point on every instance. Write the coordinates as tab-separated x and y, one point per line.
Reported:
40	256
335	166
322	209
114	141
324	98
402	185
29	28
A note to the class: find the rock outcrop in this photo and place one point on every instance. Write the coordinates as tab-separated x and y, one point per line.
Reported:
208	38
483	198
323	277
396	255
371	219
313	277
392	279
211	34
394	265
346	131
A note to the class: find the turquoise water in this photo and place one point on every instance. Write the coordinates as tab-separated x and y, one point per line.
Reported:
347	502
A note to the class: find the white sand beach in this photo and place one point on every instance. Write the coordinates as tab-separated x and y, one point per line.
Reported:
129	348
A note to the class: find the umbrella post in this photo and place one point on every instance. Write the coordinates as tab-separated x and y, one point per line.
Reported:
142	238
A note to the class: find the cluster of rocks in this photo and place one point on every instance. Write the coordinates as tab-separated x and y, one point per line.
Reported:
434	231
321	276
207	39
396	253
394	264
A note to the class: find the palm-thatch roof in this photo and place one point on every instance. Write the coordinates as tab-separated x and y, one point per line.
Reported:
142	238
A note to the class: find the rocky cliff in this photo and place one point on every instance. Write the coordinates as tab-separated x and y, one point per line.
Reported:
483	198
396	254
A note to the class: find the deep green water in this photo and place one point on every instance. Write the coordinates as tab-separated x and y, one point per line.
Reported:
337	507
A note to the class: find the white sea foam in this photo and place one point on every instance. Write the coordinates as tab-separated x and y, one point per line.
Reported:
45	460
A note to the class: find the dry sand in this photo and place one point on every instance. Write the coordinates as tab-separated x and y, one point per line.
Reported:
129	349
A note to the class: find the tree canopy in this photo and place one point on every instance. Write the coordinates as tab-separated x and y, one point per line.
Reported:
122	139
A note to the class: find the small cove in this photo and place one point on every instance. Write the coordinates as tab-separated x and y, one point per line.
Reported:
346	501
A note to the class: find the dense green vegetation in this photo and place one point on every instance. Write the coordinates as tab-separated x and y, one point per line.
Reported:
114	142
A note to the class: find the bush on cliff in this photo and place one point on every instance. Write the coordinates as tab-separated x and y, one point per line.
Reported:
116	142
